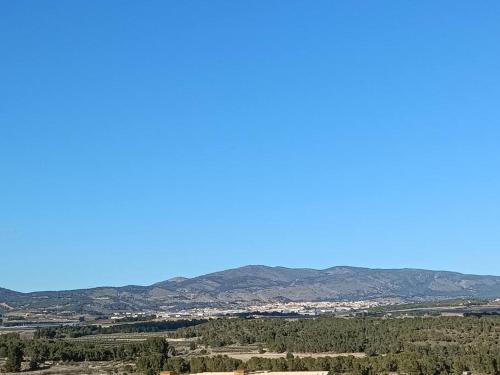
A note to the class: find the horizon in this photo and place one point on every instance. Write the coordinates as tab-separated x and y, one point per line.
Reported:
143	141
250	265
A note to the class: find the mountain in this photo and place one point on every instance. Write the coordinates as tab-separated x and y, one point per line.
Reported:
258	284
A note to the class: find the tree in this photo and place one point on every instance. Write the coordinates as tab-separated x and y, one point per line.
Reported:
151	364
177	364
155	354
14	357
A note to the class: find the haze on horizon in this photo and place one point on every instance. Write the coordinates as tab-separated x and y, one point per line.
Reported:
140	142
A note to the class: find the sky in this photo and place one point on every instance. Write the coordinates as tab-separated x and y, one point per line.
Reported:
142	140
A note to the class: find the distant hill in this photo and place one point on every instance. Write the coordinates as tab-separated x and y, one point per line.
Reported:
254	284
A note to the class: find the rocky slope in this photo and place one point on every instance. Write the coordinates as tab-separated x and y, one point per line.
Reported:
251	284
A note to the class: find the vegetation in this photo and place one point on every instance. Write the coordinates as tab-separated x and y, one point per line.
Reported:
14	354
433	304
79	331
341	335
153	357
415	346
40	350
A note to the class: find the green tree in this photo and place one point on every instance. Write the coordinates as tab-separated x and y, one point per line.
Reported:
151	364
154	356
14	357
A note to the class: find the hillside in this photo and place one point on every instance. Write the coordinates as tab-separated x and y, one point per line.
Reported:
253	284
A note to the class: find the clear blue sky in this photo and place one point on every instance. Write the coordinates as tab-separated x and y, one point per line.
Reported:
141	140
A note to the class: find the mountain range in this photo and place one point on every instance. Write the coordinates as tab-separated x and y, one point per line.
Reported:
259	284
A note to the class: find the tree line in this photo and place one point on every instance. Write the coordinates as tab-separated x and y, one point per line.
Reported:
415	346
87	330
344	335
36	351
